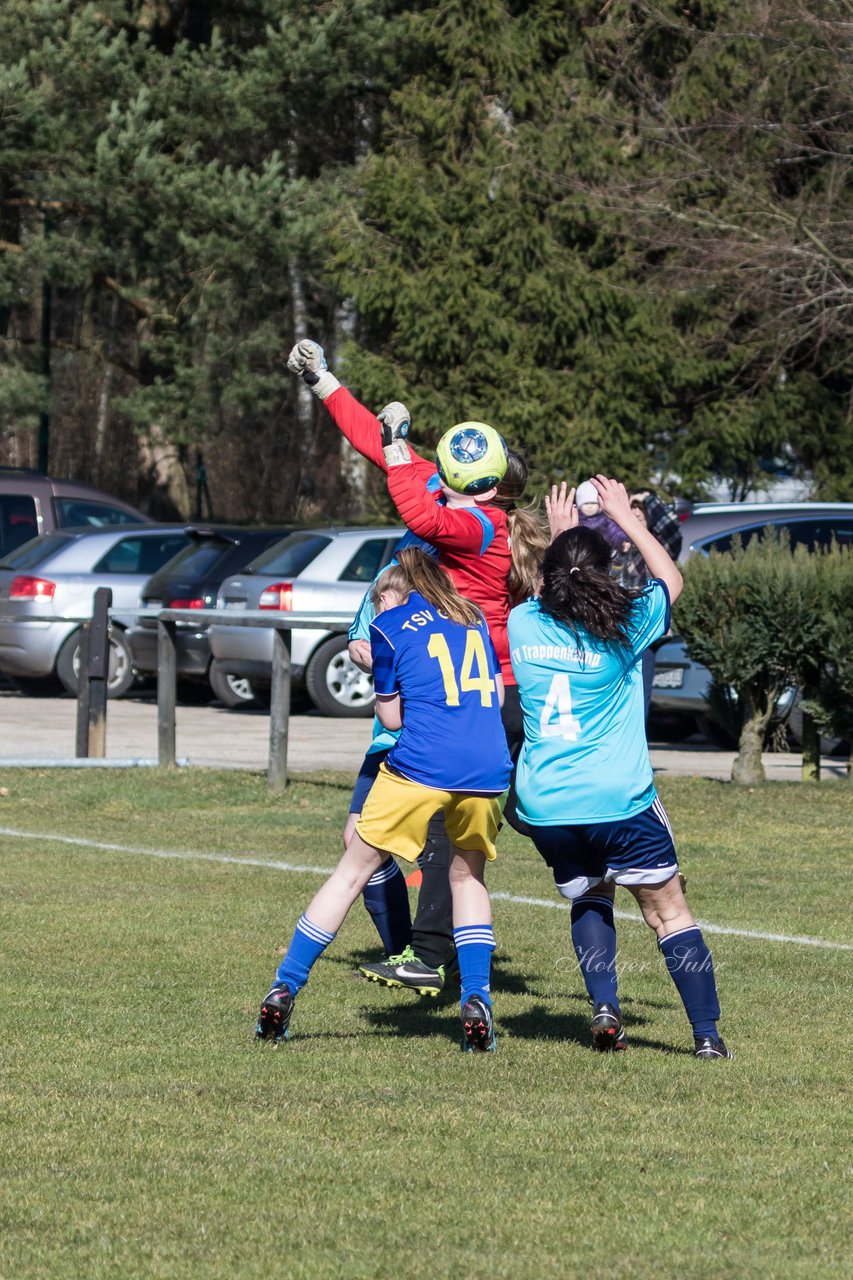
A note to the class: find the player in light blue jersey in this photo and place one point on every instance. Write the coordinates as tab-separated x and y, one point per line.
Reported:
437	680
584	781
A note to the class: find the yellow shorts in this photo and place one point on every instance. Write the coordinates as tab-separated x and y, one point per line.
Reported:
396	814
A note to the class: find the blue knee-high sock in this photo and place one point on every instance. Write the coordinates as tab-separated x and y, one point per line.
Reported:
387	900
692	970
307	945
594	941
474	946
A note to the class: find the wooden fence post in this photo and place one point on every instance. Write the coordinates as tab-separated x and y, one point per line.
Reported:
93	676
279	710
166	693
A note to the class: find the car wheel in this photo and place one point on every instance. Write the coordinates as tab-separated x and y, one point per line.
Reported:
794	724
231	691
336	686
192	693
121	673
717	734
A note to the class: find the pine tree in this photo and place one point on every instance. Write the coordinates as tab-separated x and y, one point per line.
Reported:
512	260
160	173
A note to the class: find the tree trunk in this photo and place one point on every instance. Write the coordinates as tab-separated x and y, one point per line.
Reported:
354	468
747	768
102	418
811	750
165	473
305	408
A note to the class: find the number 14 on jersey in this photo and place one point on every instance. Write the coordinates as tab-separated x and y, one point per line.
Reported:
473	674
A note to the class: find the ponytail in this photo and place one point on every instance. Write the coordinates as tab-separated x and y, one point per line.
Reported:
528	542
579	591
528	536
416	571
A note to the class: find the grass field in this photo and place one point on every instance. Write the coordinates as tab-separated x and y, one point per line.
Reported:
145	1134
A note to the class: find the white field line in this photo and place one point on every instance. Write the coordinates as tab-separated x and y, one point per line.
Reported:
301	869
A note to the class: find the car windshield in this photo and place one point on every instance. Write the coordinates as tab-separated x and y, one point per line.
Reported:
809	533
199	557
291	555
78	511
35	551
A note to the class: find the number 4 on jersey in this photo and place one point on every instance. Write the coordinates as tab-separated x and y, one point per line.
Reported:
557	720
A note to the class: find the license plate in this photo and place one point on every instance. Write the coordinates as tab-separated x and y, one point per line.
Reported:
235	604
669	678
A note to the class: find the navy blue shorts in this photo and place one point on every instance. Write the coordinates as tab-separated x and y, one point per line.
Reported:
367	775
638	850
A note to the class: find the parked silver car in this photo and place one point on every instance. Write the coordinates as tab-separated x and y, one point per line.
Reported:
312	570
680	685
48	584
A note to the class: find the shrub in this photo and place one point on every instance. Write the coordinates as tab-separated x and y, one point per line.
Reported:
756	617
829	698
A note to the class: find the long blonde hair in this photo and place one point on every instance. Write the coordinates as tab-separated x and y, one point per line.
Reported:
528	534
416	571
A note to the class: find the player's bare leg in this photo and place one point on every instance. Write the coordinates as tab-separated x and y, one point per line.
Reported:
314	931
663	906
331	903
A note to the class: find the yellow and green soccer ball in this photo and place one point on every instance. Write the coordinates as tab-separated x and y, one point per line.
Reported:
471	457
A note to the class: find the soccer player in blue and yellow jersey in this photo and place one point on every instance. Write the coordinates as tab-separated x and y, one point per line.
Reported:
584	782
437	680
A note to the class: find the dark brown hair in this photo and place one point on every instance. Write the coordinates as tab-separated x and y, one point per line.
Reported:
578	589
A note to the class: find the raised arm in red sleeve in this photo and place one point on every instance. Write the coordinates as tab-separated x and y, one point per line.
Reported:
358	425
447	528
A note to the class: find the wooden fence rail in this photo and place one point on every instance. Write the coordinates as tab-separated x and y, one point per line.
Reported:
281	625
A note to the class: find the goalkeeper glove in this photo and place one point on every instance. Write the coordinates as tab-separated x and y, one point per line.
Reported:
308	359
394	423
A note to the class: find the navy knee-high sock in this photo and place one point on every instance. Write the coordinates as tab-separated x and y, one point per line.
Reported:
387	900
594	941
692	970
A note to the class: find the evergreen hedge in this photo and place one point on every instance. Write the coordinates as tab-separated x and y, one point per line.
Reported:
763	617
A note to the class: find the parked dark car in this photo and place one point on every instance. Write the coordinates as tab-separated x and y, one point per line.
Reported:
714	524
32	504
191	581
312	570
680	686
